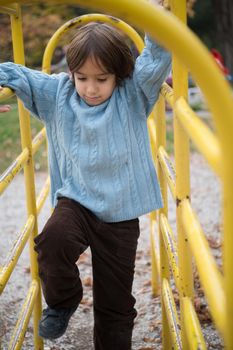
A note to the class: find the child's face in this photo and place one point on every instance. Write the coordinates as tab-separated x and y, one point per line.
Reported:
93	84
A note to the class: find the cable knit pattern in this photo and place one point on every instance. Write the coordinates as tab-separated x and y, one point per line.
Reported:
99	156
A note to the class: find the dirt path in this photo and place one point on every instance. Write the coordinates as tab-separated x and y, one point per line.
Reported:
147	332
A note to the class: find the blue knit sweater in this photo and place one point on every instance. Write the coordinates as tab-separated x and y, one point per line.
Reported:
99	156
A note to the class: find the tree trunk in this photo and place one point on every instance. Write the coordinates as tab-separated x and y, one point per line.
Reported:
224	21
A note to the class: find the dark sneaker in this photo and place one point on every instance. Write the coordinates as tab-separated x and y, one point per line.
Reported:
54	322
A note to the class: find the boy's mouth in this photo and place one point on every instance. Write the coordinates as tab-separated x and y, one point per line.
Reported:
92	98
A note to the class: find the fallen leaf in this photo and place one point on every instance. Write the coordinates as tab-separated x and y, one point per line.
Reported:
87	281
27	269
86	301
147	283
214	243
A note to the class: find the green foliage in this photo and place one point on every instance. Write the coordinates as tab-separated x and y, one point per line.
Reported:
10	144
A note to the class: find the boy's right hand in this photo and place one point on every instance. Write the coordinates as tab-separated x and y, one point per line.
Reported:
4	108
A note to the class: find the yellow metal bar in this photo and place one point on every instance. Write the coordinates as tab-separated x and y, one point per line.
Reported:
6	93
211	278
192	326
173	320
42	196
81	20
10	173
15	252
182	161
24	317
155	263
38	140
171	248
153	138
168	169
160	143
160	140
24	118
168	93
153	143
203	137
181	149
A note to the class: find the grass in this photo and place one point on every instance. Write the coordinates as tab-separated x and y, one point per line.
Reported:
10	144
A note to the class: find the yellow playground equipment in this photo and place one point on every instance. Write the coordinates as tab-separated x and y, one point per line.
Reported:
181	330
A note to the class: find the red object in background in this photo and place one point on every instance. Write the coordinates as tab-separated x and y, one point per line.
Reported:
219	59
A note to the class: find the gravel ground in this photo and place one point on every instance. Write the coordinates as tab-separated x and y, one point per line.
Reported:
147	333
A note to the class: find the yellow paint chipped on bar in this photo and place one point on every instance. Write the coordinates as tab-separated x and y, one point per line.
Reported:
81	20
173	320
171	248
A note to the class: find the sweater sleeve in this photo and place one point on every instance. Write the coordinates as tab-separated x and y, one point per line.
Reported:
37	90
151	69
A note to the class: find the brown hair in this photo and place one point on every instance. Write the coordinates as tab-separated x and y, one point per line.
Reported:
106	45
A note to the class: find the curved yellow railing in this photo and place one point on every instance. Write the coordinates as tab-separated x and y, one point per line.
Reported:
80	21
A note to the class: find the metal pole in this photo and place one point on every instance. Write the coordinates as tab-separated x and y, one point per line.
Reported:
26	141
181	151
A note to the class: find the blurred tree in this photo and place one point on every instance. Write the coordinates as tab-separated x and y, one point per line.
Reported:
224	20
39	23
212	20
202	21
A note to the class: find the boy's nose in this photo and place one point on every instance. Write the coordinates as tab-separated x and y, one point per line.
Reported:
91	89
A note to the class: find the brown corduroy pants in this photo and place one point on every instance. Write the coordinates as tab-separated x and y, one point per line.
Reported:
69	231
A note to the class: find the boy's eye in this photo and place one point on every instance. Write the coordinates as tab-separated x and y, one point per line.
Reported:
101	80
81	78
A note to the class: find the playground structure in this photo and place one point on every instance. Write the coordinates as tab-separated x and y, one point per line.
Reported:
176	250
